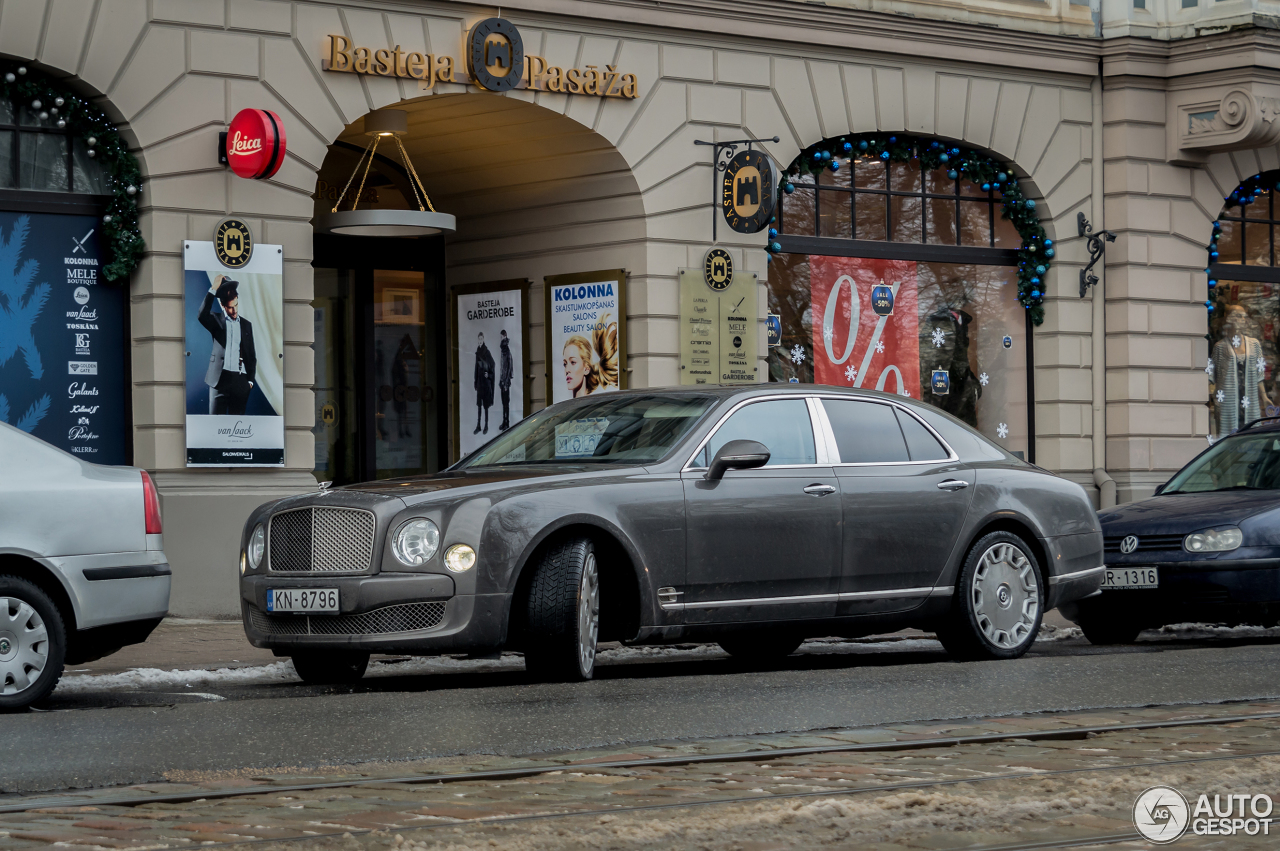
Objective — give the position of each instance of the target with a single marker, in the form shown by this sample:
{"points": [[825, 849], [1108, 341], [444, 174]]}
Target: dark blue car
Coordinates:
{"points": [[1205, 548]]}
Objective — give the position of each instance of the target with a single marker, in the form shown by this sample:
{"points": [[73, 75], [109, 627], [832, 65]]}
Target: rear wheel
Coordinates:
{"points": [[33, 644], [764, 644], [330, 667], [998, 604], [563, 614]]}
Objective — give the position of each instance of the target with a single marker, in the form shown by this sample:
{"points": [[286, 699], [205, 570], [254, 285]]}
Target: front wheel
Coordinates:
{"points": [[563, 613], [330, 667], [33, 644], [998, 604]]}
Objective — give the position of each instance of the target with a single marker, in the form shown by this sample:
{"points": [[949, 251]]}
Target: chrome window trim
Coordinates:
{"points": [[373, 546], [1079, 574], [843, 596], [952, 457], [818, 448]]}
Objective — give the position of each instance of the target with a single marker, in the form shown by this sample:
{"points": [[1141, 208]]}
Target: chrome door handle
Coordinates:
{"points": [[952, 485], [819, 490]]}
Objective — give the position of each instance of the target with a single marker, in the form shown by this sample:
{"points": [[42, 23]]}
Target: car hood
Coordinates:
{"points": [[411, 486], [1185, 512]]}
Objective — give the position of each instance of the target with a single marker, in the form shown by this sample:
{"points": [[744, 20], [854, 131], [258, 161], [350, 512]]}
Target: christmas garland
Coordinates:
{"points": [[1242, 196], [71, 111], [1035, 256]]}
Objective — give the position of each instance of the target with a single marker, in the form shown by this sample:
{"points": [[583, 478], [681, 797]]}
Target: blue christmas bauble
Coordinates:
{"points": [[1035, 294], [892, 139], [986, 187], [1031, 205], [789, 188], [1040, 270], [862, 146], [1002, 177], [817, 156], [1048, 252], [773, 232], [1209, 305], [826, 155], [775, 247], [835, 165], [1212, 283], [848, 146], [1048, 242], [955, 150], [1035, 280], [944, 158], [885, 155], [1213, 254]]}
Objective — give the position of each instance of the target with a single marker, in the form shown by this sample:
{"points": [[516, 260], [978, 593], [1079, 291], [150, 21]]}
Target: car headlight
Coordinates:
{"points": [[460, 558], [257, 546], [1213, 541], [416, 541]]}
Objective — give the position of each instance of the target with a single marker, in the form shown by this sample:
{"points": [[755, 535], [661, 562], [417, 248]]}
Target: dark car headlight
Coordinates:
{"points": [[1213, 541], [257, 546], [416, 541]]}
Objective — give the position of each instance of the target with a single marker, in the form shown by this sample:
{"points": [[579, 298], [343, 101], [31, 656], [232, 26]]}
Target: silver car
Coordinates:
{"points": [[82, 565]]}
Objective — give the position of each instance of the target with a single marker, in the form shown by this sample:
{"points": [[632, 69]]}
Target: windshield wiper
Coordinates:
{"points": [[1222, 490]]}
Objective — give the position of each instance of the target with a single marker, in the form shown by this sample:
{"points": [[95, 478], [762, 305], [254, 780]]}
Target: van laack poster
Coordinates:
{"points": [[865, 323]]}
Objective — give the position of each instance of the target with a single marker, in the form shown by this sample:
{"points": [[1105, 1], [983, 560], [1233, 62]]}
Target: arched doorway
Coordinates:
{"points": [[1244, 307], [895, 271], [535, 193]]}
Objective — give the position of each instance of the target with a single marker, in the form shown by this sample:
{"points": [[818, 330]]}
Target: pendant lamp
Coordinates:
{"points": [[382, 125]]}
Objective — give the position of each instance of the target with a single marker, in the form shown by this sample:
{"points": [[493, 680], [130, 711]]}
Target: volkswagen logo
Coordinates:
{"points": [[1129, 544]]}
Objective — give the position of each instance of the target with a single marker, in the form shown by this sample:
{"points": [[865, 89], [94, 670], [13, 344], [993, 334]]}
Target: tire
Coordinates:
{"points": [[1099, 631], [563, 613], [33, 644], [330, 667], [764, 644], [999, 601]]}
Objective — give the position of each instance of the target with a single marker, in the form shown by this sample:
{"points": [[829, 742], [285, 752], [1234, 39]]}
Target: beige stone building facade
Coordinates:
{"points": [[1142, 118]]}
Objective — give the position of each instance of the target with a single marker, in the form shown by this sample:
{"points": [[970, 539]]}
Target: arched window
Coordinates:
{"points": [[1244, 312], [950, 330], [37, 155]]}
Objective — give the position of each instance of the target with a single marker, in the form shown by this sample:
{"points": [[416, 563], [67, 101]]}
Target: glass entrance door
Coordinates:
{"points": [[378, 382]]}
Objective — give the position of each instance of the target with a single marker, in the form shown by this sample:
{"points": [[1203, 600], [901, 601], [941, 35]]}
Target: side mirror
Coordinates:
{"points": [[737, 455]]}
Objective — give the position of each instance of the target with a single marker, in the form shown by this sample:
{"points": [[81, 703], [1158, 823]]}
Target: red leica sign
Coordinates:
{"points": [[255, 143]]}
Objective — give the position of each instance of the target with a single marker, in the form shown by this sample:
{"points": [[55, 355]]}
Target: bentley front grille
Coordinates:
{"points": [[405, 617], [321, 540]]}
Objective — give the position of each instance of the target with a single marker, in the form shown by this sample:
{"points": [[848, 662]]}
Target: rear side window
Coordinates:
{"points": [[921, 445], [782, 425], [866, 433]]}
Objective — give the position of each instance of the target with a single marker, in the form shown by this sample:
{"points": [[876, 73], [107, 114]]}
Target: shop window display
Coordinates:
{"points": [[1243, 308], [951, 334]]}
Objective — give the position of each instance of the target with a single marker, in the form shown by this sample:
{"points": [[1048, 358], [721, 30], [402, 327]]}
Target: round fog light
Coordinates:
{"points": [[460, 558], [416, 542]]}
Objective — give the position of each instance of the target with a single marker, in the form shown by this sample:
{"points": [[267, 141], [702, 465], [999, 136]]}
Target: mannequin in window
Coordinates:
{"points": [[1237, 375]]}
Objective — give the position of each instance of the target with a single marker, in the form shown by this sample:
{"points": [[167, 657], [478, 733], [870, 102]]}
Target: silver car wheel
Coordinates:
{"points": [[24, 645], [588, 614], [1005, 594]]}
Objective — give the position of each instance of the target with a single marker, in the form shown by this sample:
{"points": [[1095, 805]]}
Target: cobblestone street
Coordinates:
{"points": [[922, 793]]}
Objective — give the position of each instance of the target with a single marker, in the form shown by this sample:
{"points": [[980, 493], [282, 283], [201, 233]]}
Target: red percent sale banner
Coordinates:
{"points": [[865, 324]]}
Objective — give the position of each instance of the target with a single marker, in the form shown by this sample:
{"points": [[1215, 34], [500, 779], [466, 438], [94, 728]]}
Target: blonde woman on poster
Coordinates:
{"points": [[592, 364]]}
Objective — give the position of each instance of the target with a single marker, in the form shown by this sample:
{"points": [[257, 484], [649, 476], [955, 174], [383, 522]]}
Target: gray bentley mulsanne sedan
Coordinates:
{"points": [[755, 517]]}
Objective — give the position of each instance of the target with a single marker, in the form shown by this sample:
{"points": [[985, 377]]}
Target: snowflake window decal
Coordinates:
{"points": [[1235, 341], [1244, 402], [1262, 364], [1002, 431], [1209, 369], [851, 372], [797, 354], [879, 347], [939, 337], [984, 380], [1220, 397]]}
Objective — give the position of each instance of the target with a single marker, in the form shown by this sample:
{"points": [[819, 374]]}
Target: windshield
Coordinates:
{"points": [[616, 429], [1243, 462]]}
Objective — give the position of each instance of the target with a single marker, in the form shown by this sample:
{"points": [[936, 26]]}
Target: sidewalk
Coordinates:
{"points": [[194, 644]]}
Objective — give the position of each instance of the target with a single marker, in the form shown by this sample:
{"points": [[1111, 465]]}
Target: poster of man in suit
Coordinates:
{"points": [[234, 320], [489, 359]]}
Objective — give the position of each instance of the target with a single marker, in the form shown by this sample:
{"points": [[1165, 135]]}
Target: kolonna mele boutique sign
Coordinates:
{"points": [[495, 60]]}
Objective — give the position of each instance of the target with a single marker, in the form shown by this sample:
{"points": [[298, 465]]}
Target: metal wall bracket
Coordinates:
{"points": [[1096, 249], [724, 152]]}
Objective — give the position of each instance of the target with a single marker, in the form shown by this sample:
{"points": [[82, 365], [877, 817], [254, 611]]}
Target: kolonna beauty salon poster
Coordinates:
{"points": [[234, 321], [585, 344]]}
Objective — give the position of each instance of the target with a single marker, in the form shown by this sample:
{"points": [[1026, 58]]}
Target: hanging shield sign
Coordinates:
{"points": [[749, 191], [941, 382]]}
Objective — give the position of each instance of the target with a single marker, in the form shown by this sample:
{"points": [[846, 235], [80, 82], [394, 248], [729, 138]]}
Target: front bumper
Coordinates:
{"points": [[1211, 590], [383, 613], [1068, 587]]}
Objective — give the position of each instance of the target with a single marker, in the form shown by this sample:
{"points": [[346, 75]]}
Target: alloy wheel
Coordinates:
{"points": [[588, 614], [24, 645], [1006, 596]]}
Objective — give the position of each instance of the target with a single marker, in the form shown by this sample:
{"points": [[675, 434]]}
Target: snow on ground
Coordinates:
{"points": [[282, 672]]}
